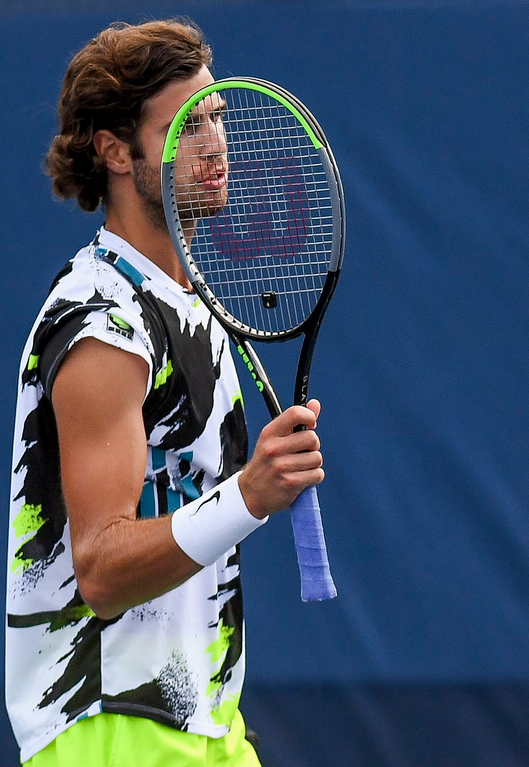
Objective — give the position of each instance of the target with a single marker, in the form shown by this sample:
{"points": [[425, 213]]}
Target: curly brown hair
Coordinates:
{"points": [[106, 85]]}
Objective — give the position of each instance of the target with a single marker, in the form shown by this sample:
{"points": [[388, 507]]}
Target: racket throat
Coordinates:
{"points": [[259, 374], [301, 386]]}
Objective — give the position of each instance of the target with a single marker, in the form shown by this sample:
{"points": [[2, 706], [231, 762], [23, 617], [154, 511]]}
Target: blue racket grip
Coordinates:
{"points": [[316, 579]]}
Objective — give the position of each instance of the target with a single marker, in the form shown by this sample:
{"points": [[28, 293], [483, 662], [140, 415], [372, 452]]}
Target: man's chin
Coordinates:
{"points": [[202, 209]]}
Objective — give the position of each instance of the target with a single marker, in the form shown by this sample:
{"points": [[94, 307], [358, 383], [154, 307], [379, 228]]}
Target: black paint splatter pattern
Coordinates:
{"points": [[190, 366]]}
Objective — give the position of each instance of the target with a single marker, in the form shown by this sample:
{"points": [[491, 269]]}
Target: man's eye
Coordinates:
{"points": [[190, 127], [217, 115]]}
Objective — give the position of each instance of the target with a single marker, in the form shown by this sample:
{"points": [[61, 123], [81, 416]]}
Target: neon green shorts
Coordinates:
{"points": [[114, 740]]}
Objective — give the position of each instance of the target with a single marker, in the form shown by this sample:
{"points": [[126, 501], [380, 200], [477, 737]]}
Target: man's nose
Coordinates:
{"points": [[214, 140]]}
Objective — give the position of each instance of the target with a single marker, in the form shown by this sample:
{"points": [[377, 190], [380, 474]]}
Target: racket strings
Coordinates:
{"points": [[265, 253]]}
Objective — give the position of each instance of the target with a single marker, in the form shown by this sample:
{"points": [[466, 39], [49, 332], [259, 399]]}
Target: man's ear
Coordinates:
{"points": [[115, 151]]}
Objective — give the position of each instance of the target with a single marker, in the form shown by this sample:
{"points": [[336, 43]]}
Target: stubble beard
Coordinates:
{"points": [[147, 184]]}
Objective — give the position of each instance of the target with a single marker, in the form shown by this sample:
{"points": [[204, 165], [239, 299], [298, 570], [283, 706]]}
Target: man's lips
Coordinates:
{"points": [[216, 180]]}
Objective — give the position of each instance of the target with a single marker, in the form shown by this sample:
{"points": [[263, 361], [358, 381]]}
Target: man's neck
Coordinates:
{"points": [[132, 224]]}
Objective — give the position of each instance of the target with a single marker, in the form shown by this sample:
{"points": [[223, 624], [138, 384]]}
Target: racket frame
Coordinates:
{"points": [[240, 332]]}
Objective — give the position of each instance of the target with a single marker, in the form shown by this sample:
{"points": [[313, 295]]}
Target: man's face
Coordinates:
{"points": [[201, 169]]}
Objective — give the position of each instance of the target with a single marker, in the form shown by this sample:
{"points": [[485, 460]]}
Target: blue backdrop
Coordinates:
{"points": [[422, 366]]}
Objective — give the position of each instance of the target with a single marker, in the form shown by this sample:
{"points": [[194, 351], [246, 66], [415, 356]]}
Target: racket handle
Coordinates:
{"points": [[316, 579]]}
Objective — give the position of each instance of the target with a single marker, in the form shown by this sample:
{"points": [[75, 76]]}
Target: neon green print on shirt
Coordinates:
{"points": [[70, 615], [224, 712], [220, 646], [237, 397], [27, 523], [119, 322], [33, 361], [163, 375]]}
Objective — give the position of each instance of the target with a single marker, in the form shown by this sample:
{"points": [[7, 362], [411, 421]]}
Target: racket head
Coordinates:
{"points": [[254, 205]]}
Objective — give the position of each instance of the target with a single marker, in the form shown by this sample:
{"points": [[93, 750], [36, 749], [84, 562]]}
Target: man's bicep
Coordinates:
{"points": [[97, 398]]}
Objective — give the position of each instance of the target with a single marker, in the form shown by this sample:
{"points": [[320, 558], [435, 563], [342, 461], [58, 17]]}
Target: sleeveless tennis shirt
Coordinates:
{"points": [[178, 659]]}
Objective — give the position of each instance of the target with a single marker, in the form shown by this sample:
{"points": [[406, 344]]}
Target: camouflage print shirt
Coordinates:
{"points": [[179, 658]]}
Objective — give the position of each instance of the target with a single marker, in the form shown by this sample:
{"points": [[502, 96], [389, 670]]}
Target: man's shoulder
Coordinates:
{"points": [[91, 277]]}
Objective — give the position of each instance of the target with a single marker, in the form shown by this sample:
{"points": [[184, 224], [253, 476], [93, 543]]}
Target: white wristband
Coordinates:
{"points": [[207, 528]]}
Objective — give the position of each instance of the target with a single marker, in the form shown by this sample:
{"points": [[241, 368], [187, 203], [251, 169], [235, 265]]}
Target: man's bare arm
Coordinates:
{"points": [[121, 561]]}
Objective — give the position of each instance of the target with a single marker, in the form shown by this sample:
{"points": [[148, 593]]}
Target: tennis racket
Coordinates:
{"points": [[254, 205]]}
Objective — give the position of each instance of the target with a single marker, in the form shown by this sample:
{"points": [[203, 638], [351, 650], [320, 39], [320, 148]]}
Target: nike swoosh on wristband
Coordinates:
{"points": [[214, 497]]}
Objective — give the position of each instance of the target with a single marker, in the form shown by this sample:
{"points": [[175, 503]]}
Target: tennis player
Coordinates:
{"points": [[131, 488]]}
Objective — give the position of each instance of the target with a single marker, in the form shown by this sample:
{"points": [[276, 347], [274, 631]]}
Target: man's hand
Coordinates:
{"points": [[284, 462]]}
